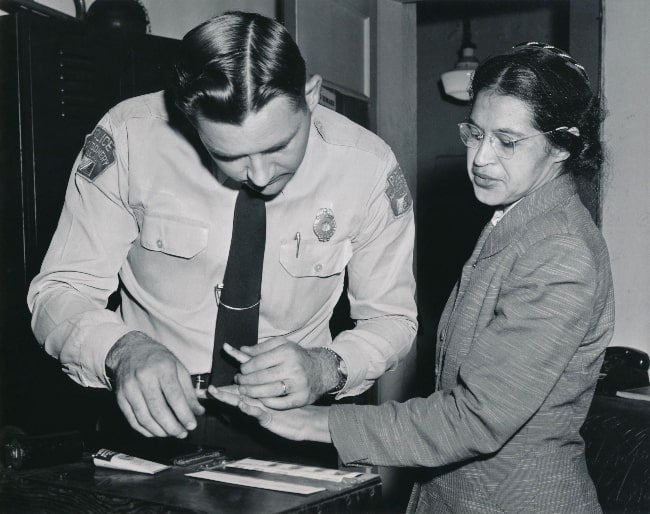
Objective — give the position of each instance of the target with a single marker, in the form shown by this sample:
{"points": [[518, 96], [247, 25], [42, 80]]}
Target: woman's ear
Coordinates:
{"points": [[560, 154], [312, 91]]}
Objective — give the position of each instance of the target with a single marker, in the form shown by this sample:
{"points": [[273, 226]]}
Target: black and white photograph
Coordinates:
{"points": [[324, 256]]}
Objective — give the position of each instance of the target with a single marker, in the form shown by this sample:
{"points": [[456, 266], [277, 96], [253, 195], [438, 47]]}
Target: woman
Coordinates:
{"points": [[522, 337]]}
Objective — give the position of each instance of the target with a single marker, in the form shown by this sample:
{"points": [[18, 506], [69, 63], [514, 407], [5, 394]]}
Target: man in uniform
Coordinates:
{"points": [[149, 207]]}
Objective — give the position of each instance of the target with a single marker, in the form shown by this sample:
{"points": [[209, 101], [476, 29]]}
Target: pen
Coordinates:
{"points": [[297, 238]]}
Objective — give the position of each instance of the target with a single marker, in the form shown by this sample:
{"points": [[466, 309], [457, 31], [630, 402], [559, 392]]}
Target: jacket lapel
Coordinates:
{"points": [[556, 192]]}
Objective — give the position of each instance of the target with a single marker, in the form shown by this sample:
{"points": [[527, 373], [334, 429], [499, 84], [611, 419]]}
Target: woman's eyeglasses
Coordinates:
{"points": [[502, 144]]}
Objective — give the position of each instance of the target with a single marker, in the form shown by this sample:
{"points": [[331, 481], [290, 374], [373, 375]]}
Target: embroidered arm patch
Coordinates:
{"points": [[98, 154], [398, 192]]}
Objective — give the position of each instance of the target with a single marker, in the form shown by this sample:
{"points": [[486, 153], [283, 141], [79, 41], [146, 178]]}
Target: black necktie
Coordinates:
{"points": [[239, 299]]}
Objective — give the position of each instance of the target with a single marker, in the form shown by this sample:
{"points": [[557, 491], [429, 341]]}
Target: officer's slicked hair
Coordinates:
{"points": [[235, 64]]}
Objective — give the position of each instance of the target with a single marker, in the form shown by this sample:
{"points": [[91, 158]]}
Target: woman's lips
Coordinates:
{"points": [[481, 179]]}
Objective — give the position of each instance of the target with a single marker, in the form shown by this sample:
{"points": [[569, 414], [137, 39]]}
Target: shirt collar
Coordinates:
{"points": [[500, 213]]}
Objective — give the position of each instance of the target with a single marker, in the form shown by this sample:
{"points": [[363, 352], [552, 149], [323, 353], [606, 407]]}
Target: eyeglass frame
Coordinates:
{"points": [[491, 138]]}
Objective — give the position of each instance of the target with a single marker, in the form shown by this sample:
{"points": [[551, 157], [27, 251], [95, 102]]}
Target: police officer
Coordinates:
{"points": [[149, 206]]}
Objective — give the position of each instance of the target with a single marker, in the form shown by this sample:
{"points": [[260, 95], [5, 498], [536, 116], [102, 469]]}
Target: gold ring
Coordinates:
{"points": [[284, 388]]}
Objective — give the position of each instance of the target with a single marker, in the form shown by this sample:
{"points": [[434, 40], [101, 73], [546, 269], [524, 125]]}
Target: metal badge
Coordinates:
{"points": [[324, 224]]}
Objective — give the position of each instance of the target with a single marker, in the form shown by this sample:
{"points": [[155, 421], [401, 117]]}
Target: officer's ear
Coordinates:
{"points": [[312, 91]]}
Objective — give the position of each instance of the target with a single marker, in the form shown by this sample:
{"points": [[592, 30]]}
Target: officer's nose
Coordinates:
{"points": [[260, 172]]}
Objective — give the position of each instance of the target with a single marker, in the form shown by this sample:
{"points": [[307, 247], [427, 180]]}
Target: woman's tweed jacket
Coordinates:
{"points": [[520, 344]]}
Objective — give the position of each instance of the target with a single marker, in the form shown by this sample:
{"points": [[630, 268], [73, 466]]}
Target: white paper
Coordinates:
{"points": [[294, 470], [260, 483]]}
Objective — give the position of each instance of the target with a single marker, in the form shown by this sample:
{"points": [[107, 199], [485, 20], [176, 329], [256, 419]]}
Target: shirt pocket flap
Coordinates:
{"points": [[180, 238], [315, 258]]}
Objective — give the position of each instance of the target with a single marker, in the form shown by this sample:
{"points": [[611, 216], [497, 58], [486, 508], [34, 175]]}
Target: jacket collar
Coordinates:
{"points": [[544, 199]]}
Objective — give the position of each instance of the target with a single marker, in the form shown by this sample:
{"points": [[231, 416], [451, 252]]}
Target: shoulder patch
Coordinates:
{"points": [[98, 153], [398, 193]]}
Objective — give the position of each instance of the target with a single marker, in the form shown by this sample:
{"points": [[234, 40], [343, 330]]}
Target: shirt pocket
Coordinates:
{"points": [[170, 262], [178, 238], [305, 288], [315, 258]]}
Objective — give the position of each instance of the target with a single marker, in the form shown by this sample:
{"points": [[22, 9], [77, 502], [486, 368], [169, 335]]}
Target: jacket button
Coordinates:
{"points": [[318, 267], [159, 243]]}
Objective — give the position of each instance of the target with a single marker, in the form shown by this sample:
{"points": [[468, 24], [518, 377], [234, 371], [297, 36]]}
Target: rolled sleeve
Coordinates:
{"points": [[381, 291], [68, 297]]}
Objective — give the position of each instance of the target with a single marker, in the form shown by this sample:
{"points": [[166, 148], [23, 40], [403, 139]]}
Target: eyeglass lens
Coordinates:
{"points": [[472, 137]]}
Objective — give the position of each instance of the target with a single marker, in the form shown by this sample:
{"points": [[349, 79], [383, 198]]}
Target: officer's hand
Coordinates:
{"points": [[282, 374], [304, 424], [153, 389]]}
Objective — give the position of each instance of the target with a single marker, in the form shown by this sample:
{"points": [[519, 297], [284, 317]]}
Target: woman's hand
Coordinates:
{"points": [[304, 424]]}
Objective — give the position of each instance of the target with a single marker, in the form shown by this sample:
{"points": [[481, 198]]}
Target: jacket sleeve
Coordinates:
{"points": [[80, 270], [381, 285], [541, 317]]}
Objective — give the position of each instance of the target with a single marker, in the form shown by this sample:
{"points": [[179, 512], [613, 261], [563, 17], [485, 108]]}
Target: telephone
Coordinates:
{"points": [[623, 368]]}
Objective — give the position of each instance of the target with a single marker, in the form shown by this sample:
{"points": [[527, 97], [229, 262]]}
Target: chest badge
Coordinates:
{"points": [[324, 224]]}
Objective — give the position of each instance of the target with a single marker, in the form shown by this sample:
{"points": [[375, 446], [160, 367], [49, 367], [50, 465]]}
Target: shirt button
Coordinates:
{"points": [[318, 267], [159, 243]]}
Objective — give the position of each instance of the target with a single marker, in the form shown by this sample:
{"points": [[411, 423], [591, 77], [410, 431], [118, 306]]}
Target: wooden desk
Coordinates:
{"points": [[83, 488]]}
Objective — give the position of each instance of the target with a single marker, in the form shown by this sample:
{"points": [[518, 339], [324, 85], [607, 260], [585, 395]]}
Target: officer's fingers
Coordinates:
{"points": [[165, 401], [268, 390], [126, 409], [236, 354], [140, 409], [180, 419], [283, 356], [191, 396], [286, 402], [262, 377], [265, 346]]}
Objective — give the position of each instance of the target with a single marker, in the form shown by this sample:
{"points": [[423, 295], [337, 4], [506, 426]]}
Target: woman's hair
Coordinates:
{"points": [[234, 64], [556, 90]]}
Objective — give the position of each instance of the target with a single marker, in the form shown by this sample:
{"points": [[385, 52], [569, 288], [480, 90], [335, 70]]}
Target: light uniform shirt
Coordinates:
{"points": [[143, 204]]}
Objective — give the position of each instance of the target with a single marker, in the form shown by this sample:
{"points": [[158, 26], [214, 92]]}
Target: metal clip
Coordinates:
{"points": [[217, 293]]}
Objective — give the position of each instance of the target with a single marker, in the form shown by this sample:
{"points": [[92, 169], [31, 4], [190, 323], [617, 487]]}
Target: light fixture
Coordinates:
{"points": [[456, 82]]}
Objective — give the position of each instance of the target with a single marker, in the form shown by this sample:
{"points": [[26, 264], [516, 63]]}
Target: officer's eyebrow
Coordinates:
{"points": [[275, 148]]}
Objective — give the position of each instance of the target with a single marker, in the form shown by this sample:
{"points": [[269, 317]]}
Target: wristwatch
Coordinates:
{"points": [[341, 370]]}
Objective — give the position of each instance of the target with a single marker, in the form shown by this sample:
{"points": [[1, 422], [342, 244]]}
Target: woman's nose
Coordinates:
{"points": [[485, 152]]}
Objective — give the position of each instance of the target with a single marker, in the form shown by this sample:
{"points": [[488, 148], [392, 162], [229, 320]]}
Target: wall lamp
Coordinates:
{"points": [[456, 82]]}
